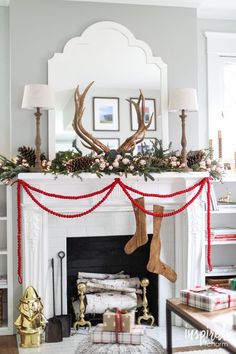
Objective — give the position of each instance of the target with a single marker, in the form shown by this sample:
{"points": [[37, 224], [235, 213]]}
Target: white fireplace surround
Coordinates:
{"points": [[44, 235]]}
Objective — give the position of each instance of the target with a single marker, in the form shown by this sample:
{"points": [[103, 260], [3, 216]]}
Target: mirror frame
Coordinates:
{"points": [[132, 42]]}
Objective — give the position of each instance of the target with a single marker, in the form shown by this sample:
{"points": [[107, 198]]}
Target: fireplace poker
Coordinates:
{"points": [[65, 319], [53, 330]]}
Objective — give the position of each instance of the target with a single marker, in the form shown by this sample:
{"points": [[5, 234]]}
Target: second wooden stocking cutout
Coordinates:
{"points": [[155, 265]]}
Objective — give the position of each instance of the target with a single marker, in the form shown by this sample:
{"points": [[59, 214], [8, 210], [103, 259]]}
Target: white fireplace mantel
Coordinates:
{"points": [[44, 235]]}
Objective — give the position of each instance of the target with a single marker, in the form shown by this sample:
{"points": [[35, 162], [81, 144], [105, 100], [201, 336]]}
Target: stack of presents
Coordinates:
{"points": [[210, 297], [118, 327]]}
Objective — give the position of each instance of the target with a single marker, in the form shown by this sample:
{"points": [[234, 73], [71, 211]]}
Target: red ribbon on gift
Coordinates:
{"points": [[187, 298], [222, 291], [213, 288], [118, 322]]}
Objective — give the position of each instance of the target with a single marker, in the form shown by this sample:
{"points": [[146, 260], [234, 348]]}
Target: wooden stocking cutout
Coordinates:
{"points": [[155, 265], [140, 237]]}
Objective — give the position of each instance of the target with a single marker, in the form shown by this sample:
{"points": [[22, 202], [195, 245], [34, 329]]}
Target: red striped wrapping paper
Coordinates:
{"points": [[211, 299], [98, 335]]}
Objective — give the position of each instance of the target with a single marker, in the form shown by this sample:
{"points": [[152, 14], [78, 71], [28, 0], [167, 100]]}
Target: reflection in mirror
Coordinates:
{"points": [[108, 54]]}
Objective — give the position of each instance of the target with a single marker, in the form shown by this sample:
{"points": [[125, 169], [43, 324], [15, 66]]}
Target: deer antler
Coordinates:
{"points": [[93, 143], [130, 143]]}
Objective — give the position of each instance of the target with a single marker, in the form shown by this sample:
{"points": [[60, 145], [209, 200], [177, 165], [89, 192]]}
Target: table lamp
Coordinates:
{"points": [[39, 97], [183, 100]]}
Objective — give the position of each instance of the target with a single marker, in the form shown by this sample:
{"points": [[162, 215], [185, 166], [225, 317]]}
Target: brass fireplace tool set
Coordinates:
{"points": [[81, 322]]}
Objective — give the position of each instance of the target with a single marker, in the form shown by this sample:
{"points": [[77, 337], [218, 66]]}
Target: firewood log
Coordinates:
{"points": [[97, 288], [99, 303], [87, 275], [130, 283]]}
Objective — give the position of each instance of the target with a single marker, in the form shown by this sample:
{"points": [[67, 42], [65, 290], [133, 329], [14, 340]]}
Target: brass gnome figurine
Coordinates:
{"points": [[31, 321]]}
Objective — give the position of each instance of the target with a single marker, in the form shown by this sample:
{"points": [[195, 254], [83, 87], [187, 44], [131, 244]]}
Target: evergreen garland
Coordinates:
{"points": [[154, 159]]}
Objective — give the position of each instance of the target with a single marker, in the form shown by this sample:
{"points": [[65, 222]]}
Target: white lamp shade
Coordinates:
{"points": [[38, 96], [185, 98]]}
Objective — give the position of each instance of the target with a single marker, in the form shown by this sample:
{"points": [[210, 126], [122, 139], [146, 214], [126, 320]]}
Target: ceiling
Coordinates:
{"points": [[216, 9]]}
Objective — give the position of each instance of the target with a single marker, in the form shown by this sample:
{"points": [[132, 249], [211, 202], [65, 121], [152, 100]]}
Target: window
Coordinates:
{"points": [[228, 115], [221, 55]]}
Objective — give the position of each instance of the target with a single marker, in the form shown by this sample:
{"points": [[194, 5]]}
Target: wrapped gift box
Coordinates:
{"points": [[208, 298], [124, 321], [99, 335]]}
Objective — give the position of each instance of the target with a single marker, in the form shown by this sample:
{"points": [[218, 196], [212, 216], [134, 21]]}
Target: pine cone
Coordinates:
{"points": [[28, 154], [195, 157], [79, 163]]}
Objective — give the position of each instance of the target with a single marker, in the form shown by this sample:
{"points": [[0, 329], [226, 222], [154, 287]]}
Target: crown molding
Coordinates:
{"points": [[4, 2]]}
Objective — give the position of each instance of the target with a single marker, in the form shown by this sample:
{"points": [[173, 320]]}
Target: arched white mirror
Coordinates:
{"points": [[119, 64]]}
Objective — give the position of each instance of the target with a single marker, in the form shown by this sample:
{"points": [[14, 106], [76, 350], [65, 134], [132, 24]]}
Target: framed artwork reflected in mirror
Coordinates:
{"points": [[150, 108], [112, 143], [146, 144], [106, 113]]}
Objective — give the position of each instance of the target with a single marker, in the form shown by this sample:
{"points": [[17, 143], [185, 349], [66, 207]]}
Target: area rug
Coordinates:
{"points": [[200, 351], [148, 346]]}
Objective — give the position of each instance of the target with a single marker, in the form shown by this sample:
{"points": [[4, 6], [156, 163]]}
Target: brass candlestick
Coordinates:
{"points": [[146, 316], [184, 142], [81, 321]]}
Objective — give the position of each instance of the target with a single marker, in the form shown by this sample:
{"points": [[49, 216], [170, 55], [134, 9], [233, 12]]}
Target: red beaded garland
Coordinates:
{"points": [[27, 187]]}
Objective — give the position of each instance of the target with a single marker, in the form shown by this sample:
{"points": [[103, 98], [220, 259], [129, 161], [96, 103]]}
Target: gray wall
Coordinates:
{"points": [[4, 82], [207, 26], [41, 27]]}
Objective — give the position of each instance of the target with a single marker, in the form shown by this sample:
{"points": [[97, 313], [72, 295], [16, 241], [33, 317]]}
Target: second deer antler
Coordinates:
{"points": [[129, 144]]}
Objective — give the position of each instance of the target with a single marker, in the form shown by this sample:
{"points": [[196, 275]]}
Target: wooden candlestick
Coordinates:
{"points": [[38, 166], [183, 116], [220, 144], [211, 150]]}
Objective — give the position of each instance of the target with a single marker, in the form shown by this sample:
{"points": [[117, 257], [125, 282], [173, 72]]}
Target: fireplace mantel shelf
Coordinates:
{"points": [[44, 235], [85, 176]]}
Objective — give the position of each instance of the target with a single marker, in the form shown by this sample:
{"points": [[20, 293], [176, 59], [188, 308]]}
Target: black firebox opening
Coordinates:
{"points": [[106, 255]]}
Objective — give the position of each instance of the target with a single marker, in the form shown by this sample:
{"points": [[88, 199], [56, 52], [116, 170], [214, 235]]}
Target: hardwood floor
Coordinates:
{"points": [[8, 345]]}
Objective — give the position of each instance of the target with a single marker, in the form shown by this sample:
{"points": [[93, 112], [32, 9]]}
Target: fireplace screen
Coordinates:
{"points": [[106, 255]]}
